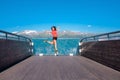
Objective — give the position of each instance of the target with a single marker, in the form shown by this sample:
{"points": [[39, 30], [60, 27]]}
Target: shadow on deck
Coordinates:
{"points": [[59, 68]]}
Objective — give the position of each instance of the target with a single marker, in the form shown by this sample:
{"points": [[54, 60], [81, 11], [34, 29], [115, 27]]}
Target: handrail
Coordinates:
{"points": [[106, 36], [8, 35]]}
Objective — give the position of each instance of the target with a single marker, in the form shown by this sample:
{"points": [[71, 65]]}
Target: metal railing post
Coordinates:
{"points": [[6, 36], [108, 36]]}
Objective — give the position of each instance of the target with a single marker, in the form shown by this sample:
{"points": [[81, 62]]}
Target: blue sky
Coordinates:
{"points": [[96, 16]]}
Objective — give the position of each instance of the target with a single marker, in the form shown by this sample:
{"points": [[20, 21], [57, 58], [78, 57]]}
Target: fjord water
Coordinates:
{"points": [[65, 46]]}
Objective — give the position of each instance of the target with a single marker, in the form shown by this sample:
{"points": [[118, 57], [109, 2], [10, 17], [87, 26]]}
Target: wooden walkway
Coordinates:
{"points": [[59, 68]]}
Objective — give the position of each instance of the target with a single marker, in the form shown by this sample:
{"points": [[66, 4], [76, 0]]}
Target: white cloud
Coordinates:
{"points": [[15, 32], [89, 26]]}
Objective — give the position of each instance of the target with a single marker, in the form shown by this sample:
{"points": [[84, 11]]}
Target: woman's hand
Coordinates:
{"points": [[49, 32]]}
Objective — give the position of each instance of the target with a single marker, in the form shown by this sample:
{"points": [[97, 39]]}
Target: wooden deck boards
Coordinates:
{"points": [[59, 68]]}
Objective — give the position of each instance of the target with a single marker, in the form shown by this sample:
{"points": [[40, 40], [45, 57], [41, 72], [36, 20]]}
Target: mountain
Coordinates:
{"points": [[45, 34]]}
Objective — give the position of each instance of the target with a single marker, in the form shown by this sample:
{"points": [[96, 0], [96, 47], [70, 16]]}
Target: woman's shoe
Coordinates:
{"points": [[56, 52]]}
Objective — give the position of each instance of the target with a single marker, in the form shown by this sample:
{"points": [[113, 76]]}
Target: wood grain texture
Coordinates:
{"points": [[59, 68], [12, 52], [104, 52]]}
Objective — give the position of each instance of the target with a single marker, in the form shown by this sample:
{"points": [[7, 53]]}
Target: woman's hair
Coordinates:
{"points": [[53, 27]]}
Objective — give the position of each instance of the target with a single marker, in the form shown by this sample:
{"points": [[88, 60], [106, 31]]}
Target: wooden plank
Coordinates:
{"points": [[59, 68]]}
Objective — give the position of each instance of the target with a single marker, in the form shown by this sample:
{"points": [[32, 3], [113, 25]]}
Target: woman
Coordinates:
{"points": [[54, 41]]}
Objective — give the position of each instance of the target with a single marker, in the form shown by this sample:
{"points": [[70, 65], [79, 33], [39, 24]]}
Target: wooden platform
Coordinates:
{"points": [[59, 68]]}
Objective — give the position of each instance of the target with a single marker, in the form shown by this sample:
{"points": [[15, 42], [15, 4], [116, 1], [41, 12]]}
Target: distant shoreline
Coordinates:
{"points": [[58, 38]]}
